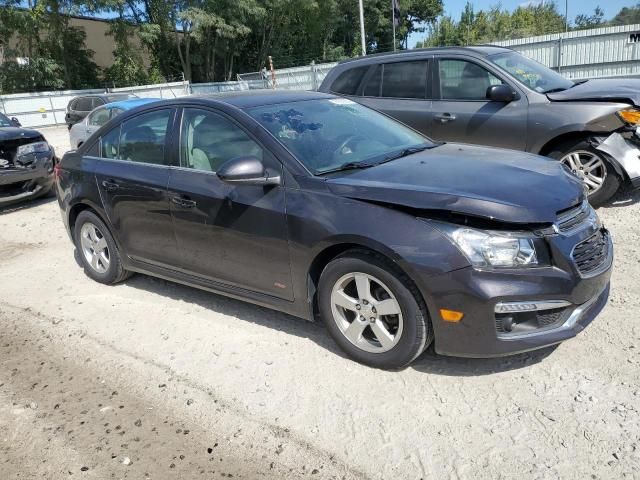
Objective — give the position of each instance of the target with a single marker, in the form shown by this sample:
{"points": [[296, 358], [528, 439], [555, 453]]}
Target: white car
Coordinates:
{"points": [[101, 115]]}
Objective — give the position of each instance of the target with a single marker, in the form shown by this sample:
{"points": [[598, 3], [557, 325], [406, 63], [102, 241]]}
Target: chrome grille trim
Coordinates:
{"points": [[574, 219]]}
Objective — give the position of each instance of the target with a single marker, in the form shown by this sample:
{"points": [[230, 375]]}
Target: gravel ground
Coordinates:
{"points": [[150, 379]]}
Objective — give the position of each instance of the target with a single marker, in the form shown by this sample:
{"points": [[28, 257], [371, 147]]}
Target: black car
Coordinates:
{"points": [[79, 107], [26, 163], [322, 208]]}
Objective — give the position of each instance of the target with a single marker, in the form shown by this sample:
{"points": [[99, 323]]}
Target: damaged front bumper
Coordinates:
{"points": [[19, 183], [624, 149]]}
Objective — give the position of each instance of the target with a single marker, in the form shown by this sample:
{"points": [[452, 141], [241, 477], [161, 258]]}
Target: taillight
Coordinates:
{"points": [[57, 170]]}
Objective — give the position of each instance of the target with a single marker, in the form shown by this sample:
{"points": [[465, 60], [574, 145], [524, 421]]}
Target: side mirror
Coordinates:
{"points": [[16, 122], [500, 93], [248, 170]]}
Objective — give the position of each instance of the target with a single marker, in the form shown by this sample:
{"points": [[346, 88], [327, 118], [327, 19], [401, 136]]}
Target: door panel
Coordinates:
{"points": [[132, 176], [135, 199], [462, 114], [234, 234]]}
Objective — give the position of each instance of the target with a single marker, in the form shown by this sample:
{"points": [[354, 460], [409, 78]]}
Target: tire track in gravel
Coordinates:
{"points": [[64, 416]]}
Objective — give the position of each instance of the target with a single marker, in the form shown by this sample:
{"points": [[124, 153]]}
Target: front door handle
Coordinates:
{"points": [[183, 201], [110, 185], [445, 117]]}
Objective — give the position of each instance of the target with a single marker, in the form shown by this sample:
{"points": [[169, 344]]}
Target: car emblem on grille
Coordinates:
{"points": [[3, 162]]}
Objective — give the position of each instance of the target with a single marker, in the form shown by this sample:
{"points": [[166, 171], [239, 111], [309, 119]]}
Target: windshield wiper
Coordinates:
{"points": [[554, 90], [348, 166], [406, 152]]}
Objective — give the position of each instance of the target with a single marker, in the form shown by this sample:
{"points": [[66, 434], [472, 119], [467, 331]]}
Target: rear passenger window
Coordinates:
{"points": [[372, 88], [142, 138], [462, 80], [405, 80], [347, 82]]}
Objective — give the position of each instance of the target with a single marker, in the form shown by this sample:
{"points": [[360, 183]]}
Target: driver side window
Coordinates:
{"points": [[463, 80], [208, 140]]}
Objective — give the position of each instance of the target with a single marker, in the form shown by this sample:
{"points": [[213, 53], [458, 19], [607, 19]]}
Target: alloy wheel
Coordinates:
{"points": [[587, 166], [366, 312], [94, 247]]}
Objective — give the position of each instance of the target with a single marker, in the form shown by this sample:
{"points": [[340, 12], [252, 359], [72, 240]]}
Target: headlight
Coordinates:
{"points": [[36, 147], [486, 248], [630, 116]]}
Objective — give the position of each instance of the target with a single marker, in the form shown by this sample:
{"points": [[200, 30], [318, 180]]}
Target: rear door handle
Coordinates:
{"points": [[110, 185], [183, 201], [445, 117]]}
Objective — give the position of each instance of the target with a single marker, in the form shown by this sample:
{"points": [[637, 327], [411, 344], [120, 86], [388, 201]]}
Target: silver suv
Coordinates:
{"points": [[495, 96]]}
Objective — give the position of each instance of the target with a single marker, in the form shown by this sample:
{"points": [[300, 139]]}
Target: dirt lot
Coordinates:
{"points": [[149, 379]]}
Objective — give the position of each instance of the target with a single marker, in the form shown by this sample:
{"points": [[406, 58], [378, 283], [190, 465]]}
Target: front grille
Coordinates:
{"points": [[590, 254], [571, 219]]}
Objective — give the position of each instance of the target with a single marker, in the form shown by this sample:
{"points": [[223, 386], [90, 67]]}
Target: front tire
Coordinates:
{"points": [[373, 311], [596, 171], [97, 250]]}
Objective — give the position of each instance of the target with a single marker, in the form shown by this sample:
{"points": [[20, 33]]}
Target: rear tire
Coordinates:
{"points": [[580, 157], [351, 287], [97, 250]]}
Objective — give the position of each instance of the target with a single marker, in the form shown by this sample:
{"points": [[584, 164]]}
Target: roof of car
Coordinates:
{"points": [[131, 103], [255, 98], [479, 50]]}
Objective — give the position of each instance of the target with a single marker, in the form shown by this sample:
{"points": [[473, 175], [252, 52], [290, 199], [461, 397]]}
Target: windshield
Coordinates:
{"points": [[332, 133], [533, 74], [4, 121]]}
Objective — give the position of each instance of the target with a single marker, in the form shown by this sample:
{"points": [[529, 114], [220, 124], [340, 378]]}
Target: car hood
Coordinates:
{"points": [[497, 184], [22, 135], [625, 90]]}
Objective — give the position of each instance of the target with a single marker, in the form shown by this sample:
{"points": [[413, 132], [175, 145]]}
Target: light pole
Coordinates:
{"points": [[566, 15], [364, 43]]}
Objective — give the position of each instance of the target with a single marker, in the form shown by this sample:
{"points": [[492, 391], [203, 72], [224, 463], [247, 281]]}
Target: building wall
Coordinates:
{"points": [[98, 40]]}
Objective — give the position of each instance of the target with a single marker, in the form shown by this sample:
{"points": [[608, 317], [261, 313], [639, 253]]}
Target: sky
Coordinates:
{"points": [[576, 7]]}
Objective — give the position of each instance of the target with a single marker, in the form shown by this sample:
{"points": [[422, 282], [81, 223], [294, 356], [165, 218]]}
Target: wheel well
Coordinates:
{"points": [[75, 211], [326, 256], [560, 139]]}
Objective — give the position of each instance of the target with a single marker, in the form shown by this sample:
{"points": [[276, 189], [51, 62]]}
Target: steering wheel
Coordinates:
{"points": [[345, 142]]}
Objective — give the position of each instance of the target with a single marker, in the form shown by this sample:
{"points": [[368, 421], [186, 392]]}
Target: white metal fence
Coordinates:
{"points": [[48, 108], [308, 77], [596, 53]]}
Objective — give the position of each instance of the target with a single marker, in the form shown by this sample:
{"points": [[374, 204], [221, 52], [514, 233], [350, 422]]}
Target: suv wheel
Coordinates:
{"points": [[98, 251], [595, 170], [373, 311]]}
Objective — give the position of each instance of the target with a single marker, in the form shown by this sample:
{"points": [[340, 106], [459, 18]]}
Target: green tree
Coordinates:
{"points": [[594, 20], [627, 16]]}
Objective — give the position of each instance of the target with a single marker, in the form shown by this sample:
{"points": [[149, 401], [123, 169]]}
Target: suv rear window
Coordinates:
{"points": [[84, 104], [347, 82]]}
